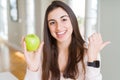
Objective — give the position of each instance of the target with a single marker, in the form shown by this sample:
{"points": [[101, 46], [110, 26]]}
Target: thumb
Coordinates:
{"points": [[105, 44]]}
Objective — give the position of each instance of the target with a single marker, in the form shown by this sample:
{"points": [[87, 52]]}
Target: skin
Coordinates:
{"points": [[61, 29]]}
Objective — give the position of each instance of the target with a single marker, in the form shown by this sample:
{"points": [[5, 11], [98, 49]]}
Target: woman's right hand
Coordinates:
{"points": [[33, 59]]}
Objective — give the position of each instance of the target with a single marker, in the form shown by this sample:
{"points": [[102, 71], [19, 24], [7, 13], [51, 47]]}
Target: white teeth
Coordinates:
{"points": [[61, 32]]}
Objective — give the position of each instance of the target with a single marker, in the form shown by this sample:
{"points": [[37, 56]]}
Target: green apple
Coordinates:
{"points": [[32, 42]]}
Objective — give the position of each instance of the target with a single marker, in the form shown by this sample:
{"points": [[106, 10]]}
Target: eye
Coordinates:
{"points": [[64, 19], [51, 23]]}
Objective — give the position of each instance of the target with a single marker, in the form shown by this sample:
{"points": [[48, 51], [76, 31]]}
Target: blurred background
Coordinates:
{"points": [[21, 17]]}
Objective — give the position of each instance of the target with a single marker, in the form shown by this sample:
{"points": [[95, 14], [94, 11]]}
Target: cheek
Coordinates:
{"points": [[71, 30], [52, 31], [68, 24], [70, 27]]}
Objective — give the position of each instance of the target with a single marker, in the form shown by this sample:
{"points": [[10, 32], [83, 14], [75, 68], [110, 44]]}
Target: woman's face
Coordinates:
{"points": [[60, 25]]}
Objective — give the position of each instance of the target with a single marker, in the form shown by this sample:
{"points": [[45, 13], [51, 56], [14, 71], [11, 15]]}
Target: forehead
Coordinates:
{"points": [[56, 13]]}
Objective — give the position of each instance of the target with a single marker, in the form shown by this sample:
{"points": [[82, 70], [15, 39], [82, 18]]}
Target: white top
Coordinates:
{"points": [[91, 73]]}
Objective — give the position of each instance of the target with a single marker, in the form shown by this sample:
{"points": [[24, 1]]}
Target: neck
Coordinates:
{"points": [[63, 46]]}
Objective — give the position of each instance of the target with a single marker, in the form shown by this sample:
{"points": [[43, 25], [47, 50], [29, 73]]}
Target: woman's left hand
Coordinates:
{"points": [[95, 45]]}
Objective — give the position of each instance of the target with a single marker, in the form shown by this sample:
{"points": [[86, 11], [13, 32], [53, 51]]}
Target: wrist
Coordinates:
{"points": [[33, 69], [95, 63], [91, 59]]}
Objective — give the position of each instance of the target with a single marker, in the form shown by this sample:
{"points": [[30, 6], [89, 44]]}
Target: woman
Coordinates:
{"points": [[62, 55]]}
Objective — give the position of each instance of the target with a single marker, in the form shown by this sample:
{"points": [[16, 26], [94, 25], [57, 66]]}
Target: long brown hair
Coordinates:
{"points": [[76, 49]]}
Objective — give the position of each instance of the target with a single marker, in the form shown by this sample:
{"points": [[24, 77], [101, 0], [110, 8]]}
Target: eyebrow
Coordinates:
{"points": [[60, 17], [64, 16]]}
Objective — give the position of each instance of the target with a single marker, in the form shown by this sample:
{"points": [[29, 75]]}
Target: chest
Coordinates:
{"points": [[62, 61]]}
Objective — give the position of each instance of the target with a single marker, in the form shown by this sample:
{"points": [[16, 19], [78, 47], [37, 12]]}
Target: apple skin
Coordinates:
{"points": [[32, 42]]}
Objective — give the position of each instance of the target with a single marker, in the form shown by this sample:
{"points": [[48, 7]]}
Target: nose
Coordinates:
{"points": [[59, 25]]}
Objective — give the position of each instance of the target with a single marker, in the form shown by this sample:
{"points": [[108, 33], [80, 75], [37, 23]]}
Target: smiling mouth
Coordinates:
{"points": [[61, 34]]}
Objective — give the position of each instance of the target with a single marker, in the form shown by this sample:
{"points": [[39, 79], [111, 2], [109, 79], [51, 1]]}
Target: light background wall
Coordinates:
{"points": [[110, 30]]}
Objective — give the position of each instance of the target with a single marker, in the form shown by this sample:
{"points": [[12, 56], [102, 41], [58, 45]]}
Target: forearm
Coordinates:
{"points": [[94, 73]]}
